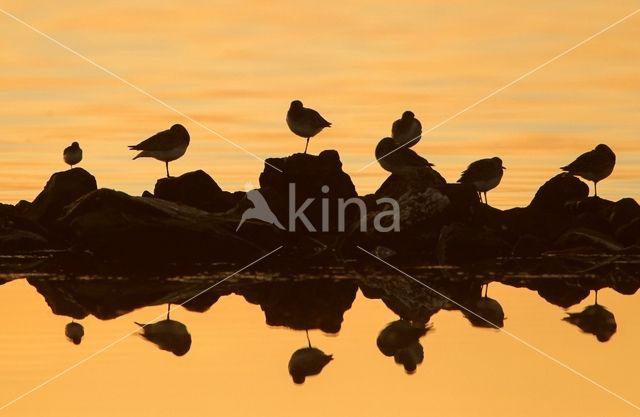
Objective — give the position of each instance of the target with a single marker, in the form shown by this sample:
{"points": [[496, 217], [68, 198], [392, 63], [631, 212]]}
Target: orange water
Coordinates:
{"points": [[236, 66], [237, 366]]}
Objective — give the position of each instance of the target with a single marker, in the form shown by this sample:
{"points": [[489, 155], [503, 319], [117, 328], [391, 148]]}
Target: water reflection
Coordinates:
{"points": [[485, 312], [400, 339], [307, 361], [596, 320], [74, 332], [304, 302], [167, 334]]}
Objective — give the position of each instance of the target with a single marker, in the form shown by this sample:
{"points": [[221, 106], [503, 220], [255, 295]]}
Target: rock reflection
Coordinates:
{"points": [[74, 332], [596, 320], [167, 334], [307, 361], [400, 339], [302, 305]]}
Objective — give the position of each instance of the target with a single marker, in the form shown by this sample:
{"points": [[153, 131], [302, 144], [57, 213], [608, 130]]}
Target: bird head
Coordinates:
{"points": [[296, 104], [75, 145], [603, 147], [408, 115], [178, 129], [498, 162]]}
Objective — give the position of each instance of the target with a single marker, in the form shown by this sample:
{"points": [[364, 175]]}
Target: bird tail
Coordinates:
{"points": [[139, 324]]}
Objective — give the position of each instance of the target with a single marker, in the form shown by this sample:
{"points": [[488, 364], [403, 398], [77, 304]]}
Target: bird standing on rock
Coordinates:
{"points": [[72, 155], [166, 146], [484, 175], [406, 131], [594, 165], [399, 160], [305, 122]]}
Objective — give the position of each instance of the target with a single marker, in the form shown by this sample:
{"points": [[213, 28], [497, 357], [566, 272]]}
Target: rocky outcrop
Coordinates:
{"points": [[196, 189], [145, 231], [62, 189], [307, 183], [19, 234]]}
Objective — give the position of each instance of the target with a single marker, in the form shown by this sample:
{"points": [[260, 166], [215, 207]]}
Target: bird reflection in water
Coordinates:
{"points": [[307, 361], [596, 320], [400, 339], [74, 332], [169, 335], [488, 312]]}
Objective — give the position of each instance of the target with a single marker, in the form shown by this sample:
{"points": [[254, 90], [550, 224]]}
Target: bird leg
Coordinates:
{"points": [[485, 198], [306, 146], [168, 310], [595, 188], [308, 340], [167, 163]]}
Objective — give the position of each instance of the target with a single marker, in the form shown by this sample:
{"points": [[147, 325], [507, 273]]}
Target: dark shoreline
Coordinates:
{"points": [[189, 222]]}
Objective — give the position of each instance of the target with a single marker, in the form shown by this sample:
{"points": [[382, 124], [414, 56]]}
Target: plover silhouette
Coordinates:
{"points": [[259, 211], [407, 131], [307, 361], [166, 146], [305, 122], [72, 155], [74, 332], [484, 175], [399, 160], [594, 165]]}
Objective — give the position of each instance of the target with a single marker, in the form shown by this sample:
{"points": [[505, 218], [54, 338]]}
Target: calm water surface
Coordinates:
{"points": [[236, 66], [237, 364]]}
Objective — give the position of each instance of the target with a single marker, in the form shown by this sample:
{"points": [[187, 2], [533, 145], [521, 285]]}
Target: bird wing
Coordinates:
{"points": [[582, 163], [315, 117], [481, 170], [158, 142], [412, 158]]}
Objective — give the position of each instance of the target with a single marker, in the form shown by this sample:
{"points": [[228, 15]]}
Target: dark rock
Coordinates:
{"points": [[19, 234], [152, 231], [12, 241], [195, 189], [529, 245], [629, 234], [62, 189], [396, 186], [555, 194], [319, 178], [623, 212], [587, 238], [463, 244]]}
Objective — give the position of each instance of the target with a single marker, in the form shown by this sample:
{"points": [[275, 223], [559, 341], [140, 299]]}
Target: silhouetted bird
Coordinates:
{"points": [[594, 165], [74, 332], [399, 160], [484, 175], [407, 130], [169, 335], [489, 309], [307, 361], [397, 335], [166, 146], [410, 356], [596, 320], [305, 122], [72, 155]]}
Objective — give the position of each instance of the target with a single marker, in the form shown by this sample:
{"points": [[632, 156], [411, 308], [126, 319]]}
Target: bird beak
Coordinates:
{"points": [[504, 167]]}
